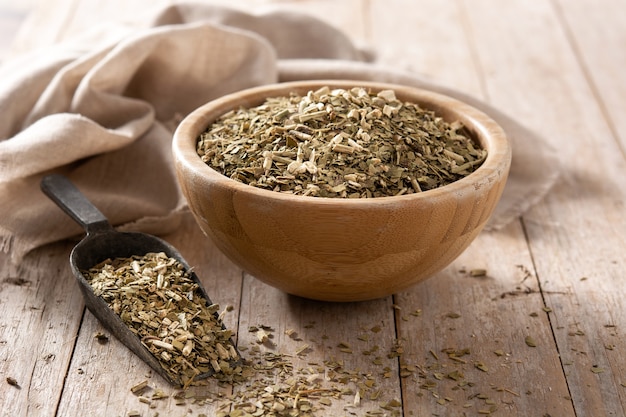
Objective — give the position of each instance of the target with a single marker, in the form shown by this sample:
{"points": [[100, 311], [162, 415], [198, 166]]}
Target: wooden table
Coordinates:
{"points": [[555, 277]]}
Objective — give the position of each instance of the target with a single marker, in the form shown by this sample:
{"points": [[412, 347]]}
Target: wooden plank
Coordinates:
{"points": [[52, 22], [40, 313], [11, 18], [101, 374], [428, 38], [592, 29], [578, 230], [44, 26], [494, 313], [346, 15]]}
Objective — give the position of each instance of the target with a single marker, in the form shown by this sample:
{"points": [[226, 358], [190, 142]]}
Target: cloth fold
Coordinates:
{"points": [[101, 109]]}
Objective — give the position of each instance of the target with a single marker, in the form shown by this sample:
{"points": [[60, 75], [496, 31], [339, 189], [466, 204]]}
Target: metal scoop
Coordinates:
{"points": [[101, 243]]}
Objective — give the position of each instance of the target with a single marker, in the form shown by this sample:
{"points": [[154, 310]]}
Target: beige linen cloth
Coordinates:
{"points": [[101, 109]]}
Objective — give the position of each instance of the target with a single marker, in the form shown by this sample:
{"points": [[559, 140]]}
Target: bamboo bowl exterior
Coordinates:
{"points": [[341, 249]]}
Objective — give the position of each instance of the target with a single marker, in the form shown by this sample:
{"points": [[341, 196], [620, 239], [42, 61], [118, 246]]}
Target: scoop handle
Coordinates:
{"points": [[65, 194]]}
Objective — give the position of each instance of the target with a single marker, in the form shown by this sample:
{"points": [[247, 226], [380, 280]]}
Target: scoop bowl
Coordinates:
{"points": [[103, 242]]}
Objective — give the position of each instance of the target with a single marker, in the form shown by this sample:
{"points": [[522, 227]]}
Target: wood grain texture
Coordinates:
{"points": [[590, 29], [429, 38], [41, 309], [11, 18], [485, 322], [556, 275], [577, 232]]}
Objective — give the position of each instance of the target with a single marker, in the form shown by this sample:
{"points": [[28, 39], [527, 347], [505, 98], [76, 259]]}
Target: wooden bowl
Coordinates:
{"points": [[341, 249]]}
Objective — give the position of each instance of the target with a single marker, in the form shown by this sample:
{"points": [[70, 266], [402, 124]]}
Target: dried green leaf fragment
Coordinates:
{"points": [[138, 388], [302, 349], [393, 403], [455, 375], [530, 341], [101, 337], [13, 382], [339, 144], [481, 366]]}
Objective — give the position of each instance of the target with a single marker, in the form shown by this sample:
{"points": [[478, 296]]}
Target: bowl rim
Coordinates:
{"points": [[483, 128]]}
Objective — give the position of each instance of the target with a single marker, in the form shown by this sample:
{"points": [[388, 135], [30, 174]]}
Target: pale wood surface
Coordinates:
{"points": [[555, 275]]}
